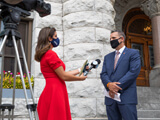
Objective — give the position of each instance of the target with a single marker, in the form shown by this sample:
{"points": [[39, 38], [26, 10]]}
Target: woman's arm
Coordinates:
{"points": [[66, 76], [73, 72]]}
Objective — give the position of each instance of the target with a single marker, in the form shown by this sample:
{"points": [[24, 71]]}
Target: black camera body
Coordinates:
{"points": [[40, 6], [12, 11]]}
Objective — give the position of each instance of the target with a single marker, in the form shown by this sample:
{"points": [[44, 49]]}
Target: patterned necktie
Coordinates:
{"points": [[116, 59]]}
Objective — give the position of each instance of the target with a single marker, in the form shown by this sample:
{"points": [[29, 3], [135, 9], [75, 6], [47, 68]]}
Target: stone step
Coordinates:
{"points": [[107, 119], [149, 114], [142, 115], [148, 106], [138, 119], [148, 118], [91, 119]]}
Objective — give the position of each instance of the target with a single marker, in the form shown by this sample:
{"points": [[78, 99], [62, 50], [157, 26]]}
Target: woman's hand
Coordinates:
{"points": [[87, 67], [82, 77]]}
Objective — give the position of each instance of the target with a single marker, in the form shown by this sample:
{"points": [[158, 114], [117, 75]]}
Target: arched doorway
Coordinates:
{"points": [[138, 29]]}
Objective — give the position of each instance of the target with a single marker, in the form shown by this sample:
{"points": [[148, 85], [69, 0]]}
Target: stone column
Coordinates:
{"points": [[152, 9], [86, 26]]}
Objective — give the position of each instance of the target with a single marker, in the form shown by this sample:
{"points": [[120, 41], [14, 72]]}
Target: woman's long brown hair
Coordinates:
{"points": [[43, 44]]}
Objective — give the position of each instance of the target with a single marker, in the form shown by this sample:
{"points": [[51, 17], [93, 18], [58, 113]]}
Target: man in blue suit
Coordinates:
{"points": [[119, 73]]}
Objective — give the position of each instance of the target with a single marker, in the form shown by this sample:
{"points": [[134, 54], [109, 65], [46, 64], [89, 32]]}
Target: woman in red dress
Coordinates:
{"points": [[53, 103]]}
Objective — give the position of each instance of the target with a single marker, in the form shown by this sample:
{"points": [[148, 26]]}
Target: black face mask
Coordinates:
{"points": [[114, 43]]}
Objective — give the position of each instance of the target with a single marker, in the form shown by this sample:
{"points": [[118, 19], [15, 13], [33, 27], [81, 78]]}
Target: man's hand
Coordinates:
{"points": [[113, 87], [111, 94]]}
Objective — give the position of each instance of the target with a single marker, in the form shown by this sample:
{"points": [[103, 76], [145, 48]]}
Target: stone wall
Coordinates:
{"points": [[84, 29]]}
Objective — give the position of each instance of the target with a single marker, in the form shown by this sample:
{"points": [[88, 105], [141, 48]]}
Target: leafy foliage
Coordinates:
{"points": [[8, 80]]}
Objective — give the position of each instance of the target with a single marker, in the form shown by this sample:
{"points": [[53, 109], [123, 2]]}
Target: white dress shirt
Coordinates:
{"points": [[120, 51]]}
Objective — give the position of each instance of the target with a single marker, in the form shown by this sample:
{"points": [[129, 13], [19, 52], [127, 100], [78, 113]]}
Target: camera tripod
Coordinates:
{"points": [[11, 34]]}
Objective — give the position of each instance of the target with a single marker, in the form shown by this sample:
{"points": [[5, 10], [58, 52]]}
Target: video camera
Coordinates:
{"points": [[39, 5], [12, 11]]}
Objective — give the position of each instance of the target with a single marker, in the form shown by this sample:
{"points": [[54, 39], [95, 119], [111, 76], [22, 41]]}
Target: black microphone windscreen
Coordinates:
{"points": [[98, 60]]}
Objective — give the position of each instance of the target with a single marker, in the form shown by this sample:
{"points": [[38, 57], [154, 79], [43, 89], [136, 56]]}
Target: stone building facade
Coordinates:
{"points": [[83, 27]]}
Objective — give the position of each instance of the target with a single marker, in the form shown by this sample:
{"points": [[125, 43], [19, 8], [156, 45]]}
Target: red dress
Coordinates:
{"points": [[53, 103]]}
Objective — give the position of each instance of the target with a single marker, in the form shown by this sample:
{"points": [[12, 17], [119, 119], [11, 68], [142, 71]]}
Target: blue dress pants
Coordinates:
{"points": [[117, 111]]}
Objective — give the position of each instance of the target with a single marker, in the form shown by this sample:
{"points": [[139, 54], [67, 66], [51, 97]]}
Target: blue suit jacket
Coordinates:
{"points": [[126, 72]]}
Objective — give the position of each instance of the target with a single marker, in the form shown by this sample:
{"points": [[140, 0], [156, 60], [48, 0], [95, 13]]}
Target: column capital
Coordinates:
{"points": [[151, 7]]}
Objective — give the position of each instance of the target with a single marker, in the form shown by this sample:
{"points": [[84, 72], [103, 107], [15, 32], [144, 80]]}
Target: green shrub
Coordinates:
{"points": [[8, 80]]}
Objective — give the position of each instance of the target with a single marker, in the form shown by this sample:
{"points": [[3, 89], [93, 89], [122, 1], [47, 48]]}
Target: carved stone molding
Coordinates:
{"points": [[151, 7], [121, 8]]}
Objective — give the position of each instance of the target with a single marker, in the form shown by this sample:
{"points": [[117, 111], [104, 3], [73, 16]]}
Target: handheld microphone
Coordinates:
{"points": [[94, 65]]}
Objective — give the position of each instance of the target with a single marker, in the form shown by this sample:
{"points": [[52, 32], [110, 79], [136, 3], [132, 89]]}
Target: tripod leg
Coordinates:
{"points": [[9, 114], [3, 42], [27, 72], [14, 84], [2, 75], [21, 74], [2, 114]]}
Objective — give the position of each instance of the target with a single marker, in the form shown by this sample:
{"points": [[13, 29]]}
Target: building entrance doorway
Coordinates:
{"points": [[138, 31]]}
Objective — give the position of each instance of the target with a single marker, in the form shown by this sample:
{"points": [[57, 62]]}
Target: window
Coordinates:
{"points": [[144, 27]]}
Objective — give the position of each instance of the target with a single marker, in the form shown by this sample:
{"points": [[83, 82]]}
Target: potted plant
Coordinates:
{"points": [[8, 81]]}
